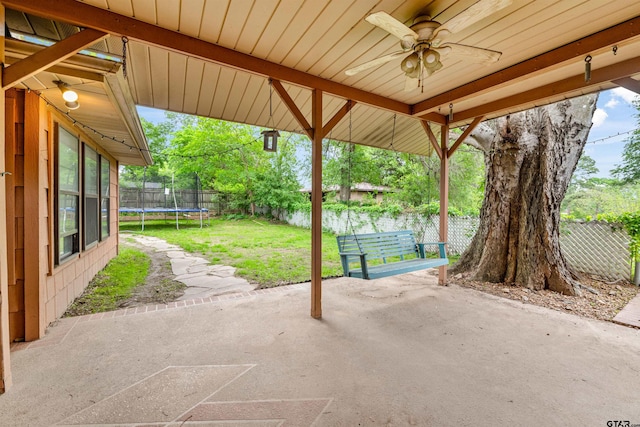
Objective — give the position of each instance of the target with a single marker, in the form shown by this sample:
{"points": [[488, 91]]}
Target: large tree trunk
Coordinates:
{"points": [[530, 158]]}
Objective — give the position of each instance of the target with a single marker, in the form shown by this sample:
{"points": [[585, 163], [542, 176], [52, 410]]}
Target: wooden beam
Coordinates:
{"points": [[629, 83], [5, 355], [49, 56], [66, 71], [464, 135], [291, 105], [577, 49], [316, 205], [85, 15], [337, 117], [432, 137], [519, 102], [444, 197]]}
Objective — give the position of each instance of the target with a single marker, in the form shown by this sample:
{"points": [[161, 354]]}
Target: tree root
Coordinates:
{"points": [[588, 288]]}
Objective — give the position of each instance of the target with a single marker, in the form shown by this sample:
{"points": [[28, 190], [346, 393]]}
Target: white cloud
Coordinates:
{"points": [[612, 103], [599, 116], [624, 94]]}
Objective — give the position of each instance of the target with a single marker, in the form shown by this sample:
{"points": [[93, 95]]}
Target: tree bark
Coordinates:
{"points": [[529, 158]]}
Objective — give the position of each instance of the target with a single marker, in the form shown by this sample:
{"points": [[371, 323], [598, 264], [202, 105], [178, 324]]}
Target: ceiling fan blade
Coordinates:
{"points": [[470, 16], [472, 53], [392, 26], [374, 63]]}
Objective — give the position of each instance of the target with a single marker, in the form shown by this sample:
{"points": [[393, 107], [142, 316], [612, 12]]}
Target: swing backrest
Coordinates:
{"points": [[378, 245]]}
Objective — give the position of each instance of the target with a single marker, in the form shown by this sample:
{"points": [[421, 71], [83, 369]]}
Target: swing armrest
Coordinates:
{"points": [[344, 259], [352, 254], [441, 248]]}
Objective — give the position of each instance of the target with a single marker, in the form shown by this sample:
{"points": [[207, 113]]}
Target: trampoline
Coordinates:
{"points": [[177, 211], [142, 208]]}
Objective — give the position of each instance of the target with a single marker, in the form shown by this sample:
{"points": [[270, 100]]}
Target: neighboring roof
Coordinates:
{"points": [[214, 58], [361, 186]]}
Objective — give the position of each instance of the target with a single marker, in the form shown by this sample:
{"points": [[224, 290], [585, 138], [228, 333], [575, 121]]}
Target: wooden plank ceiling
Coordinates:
{"points": [[322, 39]]}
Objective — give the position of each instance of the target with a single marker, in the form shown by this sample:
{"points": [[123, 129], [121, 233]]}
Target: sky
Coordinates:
{"points": [[615, 114], [614, 117]]}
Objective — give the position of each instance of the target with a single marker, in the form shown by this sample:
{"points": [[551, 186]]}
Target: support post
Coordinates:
{"points": [[33, 303], [5, 365], [444, 196], [316, 205]]}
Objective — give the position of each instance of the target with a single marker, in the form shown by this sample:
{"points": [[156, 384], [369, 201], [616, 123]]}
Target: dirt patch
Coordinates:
{"points": [[160, 286], [603, 305]]}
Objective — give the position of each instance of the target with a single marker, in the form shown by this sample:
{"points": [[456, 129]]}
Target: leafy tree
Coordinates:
{"points": [[159, 137], [227, 157], [277, 186], [629, 170]]}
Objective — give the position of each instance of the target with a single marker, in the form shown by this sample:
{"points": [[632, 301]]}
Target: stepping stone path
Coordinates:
{"points": [[202, 279]]}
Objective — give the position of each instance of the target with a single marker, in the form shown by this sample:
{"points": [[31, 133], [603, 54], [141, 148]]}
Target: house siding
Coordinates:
{"points": [[39, 291]]}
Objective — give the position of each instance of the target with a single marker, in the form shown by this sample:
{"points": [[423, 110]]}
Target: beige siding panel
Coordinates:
{"points": [[214, 14], [168, 12], [191, 17], [122, 7], [208, 88], [258, 89], [256, 23], [279, 21], [141, 71], [145, 10], [159, 63], [307, 13], [193, 82], [237, 94], [233, 26], [177, 73], [315, 34], [222, 89]]}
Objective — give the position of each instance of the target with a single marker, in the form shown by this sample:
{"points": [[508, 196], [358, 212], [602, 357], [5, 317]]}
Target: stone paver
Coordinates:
{"points": [[202, 279]]}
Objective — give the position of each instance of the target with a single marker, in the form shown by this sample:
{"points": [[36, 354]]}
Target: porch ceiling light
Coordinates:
{"points": [[69, 95]]}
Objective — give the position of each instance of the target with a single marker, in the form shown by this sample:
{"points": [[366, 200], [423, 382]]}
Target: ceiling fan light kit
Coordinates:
{"points": [[423, 41]]}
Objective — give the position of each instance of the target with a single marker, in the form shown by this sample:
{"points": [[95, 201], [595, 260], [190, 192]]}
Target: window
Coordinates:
{"points": [[68, 192], [105, 200], [91, 211], [92, 202]]}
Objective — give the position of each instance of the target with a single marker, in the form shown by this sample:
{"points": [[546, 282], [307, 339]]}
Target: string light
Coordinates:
{"points": [[123, 142]]}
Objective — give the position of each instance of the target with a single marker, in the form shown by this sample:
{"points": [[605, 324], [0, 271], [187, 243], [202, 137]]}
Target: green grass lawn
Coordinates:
{"points": [[266, 253], [113, 284]]}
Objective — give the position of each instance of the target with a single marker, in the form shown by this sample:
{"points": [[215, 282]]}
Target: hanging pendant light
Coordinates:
{"points": [[270, 137], [270, 140]]}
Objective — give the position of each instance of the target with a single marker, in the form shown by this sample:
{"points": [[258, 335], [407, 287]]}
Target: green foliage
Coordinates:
{"points": [[629, 170], [631, 223], [595, 196], [277, 187]]}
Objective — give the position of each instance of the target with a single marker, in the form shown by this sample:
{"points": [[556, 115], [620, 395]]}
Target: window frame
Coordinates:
{"points": [[63, 193], [90, 192], [104, 198]]}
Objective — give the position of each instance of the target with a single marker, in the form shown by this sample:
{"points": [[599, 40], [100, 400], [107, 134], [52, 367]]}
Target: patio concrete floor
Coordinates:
{"points": [[392, 352]]}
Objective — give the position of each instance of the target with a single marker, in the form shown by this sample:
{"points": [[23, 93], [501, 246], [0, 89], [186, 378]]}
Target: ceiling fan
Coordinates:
{"points": [[424, 41]]}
